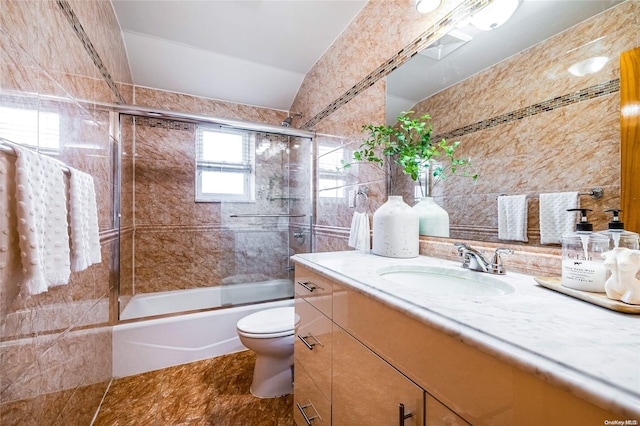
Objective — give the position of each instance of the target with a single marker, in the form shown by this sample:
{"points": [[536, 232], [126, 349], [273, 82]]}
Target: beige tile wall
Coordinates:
{"points": [[182, 244], [572, 148], [526, 142], [381, 29], [55, 350], [55, 347]]}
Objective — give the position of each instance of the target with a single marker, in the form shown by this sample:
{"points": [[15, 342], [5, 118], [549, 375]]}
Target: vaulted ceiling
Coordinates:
{"points": [[257, 52], [249, 52]]}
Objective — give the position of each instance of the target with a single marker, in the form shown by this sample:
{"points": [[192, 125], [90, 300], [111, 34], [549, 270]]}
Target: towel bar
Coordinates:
{"points": [[267, 215], [595, 193], [8, 148]]}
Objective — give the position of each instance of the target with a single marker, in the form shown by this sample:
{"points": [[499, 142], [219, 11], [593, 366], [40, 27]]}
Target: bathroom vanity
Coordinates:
{"points": [[371, 350]]}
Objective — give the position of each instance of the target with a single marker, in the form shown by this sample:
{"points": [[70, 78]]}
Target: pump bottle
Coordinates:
{"points": [[618, 237], [582, 263]]}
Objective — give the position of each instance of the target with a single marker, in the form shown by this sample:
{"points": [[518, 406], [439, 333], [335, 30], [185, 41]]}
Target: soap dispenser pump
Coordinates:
{"points": [[582, 263], [618, 237]]}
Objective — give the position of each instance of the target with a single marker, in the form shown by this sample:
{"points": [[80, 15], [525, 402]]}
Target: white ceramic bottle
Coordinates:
{"points": [[434, 220], [396, 229], [582, 263]]}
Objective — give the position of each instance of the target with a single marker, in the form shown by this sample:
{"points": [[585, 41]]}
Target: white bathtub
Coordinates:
{"points": [[149, 345], [167, 302]]}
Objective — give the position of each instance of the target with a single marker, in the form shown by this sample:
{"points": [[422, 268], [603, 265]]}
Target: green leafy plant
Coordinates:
{"points": [[409, 145]]}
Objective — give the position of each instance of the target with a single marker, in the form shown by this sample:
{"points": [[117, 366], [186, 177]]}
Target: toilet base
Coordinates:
{"points": [[272, 377]]}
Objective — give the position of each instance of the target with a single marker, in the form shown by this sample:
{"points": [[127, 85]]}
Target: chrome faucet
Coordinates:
{"points": [[474, 260]]}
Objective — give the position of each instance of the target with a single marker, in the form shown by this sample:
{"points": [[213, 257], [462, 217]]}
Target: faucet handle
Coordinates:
{"points": [[461, 247], [496, 262]]}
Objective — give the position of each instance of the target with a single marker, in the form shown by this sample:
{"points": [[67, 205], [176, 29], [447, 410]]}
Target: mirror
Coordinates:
{"points": [[534, 103]]}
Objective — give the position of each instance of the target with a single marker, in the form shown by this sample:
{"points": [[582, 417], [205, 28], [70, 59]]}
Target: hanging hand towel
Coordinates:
{"points": [[7, 218], [42, 221], [360, 235], [83, 215], [555, 220], [512, 217]]}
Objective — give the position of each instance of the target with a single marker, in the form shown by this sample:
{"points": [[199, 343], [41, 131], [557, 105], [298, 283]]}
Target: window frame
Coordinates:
{"points": [[246, 167]]}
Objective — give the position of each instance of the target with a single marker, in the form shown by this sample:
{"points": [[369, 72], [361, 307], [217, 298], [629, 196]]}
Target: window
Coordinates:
{"points": [[32, 128], [331, 182], [225, 162]]}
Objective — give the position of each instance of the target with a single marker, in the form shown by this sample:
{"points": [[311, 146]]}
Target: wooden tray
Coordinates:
{"points": [[599, 299]]}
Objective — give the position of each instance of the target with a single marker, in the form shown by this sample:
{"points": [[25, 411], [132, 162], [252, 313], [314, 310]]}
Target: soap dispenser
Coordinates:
{"points": [[618, 237], [582, 263]]}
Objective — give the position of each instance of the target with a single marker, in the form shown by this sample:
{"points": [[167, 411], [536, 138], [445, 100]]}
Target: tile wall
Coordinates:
{"points": [[542, 129], [55, 347], [337, 104], [491, 129], [182, 244]]}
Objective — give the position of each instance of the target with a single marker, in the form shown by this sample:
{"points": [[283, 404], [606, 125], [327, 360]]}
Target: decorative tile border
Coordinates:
{"points": [[164, 124], [439, 29], [91, 50], [601, 89], [432, 34]]}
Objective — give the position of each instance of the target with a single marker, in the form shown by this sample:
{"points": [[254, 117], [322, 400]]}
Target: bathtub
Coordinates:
{"points": [[167, 302], [153, 344]]}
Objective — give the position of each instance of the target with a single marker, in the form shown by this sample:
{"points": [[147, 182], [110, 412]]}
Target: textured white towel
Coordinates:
{"points": [[359, 234], [42, 221], [512, 217], [7, 181], [83, 217], [555, 220]]}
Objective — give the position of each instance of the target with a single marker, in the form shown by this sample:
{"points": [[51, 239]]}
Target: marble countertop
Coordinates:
{"points": [[592, 351]]}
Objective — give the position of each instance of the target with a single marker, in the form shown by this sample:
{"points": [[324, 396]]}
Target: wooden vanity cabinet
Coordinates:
{"points": [[312, 349], [471, 384], [368, 390], [339, 381]]}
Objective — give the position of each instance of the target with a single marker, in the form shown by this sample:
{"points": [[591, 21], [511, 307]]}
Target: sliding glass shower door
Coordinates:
{"points": [[210, 215], [266, 218]]}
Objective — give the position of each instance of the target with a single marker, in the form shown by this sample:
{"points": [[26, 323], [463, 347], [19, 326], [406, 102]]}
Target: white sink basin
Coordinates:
{"points": [[446, 281]]}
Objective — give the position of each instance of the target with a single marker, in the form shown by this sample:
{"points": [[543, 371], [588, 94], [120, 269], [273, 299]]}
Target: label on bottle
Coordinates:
{"points": [[585, 275]]}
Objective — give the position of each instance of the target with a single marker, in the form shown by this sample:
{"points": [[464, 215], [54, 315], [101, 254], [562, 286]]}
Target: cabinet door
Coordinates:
{"points": [[310, 405], [438, 414], [367, 390]]}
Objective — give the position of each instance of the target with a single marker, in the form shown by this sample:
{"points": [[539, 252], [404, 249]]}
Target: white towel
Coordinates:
{"points": [[512, 217], [555, 220], [359, 234], [42, 221], [83, 217]]}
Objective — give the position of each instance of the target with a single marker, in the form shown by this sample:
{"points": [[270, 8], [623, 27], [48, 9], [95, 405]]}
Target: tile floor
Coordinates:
{"points": [[210, 392]]}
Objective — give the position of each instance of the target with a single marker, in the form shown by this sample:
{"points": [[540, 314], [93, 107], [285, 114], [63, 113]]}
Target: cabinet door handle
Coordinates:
{"points": [[307, 418], [402, 416], [306, 343], [309, 285]]}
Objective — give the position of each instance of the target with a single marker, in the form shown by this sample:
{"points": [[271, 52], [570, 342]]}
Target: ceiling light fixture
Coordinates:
{"points": [[426, 6], [588, 66], [495, 14]]}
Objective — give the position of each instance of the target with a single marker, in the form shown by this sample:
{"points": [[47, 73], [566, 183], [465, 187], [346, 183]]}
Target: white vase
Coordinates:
{"points": [[395, 229], [434, 220]]}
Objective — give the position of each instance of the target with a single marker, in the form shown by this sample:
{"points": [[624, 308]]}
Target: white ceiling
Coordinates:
{"points": [[257, 52], [248, 52]]}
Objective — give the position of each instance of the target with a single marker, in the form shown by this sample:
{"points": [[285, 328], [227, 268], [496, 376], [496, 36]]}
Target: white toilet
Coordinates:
{"points": [[270, 334]]}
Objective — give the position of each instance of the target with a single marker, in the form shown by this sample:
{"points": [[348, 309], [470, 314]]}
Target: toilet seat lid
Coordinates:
{"points": [[269, 321]]}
